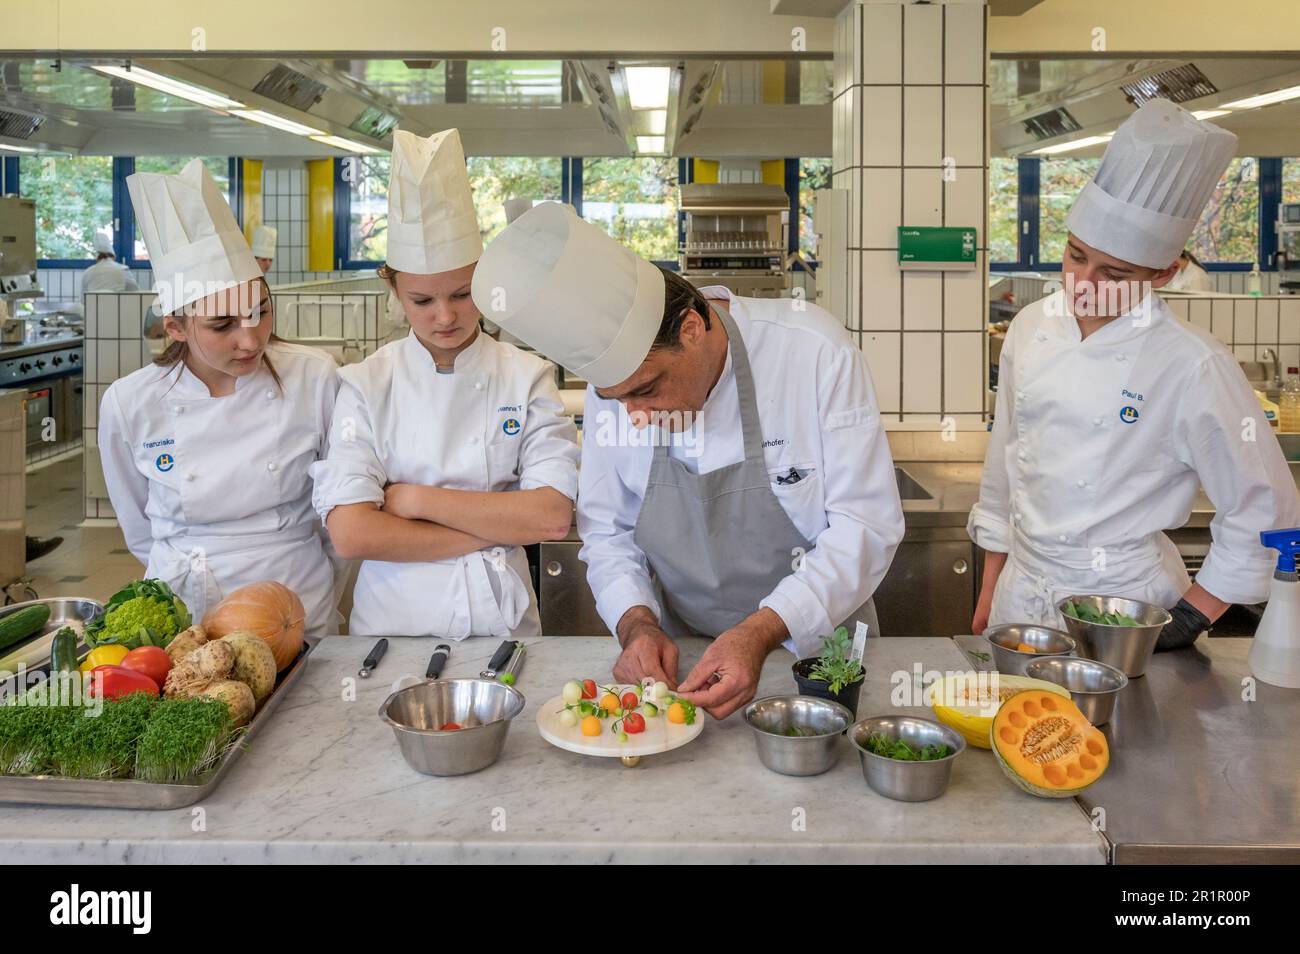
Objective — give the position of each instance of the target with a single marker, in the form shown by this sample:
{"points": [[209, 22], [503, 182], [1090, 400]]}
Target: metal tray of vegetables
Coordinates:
{"points": [[165, 743]]}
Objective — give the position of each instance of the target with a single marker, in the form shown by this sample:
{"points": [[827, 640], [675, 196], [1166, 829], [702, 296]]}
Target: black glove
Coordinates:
{"points": [[1188, 623]]}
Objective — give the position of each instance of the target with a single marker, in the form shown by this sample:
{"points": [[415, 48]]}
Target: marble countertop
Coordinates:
{"points": [[324, 783]]}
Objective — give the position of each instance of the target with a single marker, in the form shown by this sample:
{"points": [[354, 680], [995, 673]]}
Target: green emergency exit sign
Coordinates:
{"points": [[936, 248]]}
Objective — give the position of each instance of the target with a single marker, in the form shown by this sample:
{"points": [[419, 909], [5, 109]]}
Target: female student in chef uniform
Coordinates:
{"points": [[206, 452], [449, 451], [1110, 416]]}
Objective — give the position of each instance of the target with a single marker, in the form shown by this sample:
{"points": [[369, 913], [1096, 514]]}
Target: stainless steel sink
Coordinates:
{"points": [[908, 488]]}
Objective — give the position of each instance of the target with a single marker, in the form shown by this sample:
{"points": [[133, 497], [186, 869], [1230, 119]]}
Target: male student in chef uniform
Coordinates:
{"points": [[773, 513], [107, 274], [264, 246], [1111, 413]]}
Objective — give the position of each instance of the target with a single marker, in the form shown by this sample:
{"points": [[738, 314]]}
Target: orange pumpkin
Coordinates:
{"points": [[268, 610]]}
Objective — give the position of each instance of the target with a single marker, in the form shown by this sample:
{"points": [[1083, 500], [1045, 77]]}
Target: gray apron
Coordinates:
{"points": [[719, 543]]}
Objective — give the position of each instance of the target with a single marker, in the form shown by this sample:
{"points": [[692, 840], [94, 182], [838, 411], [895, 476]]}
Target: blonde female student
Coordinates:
{"points": [[449, 451], [207, 451]]}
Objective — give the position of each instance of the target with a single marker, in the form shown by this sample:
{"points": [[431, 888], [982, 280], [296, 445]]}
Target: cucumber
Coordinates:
{"points": [[19, 625], [63, 651]]}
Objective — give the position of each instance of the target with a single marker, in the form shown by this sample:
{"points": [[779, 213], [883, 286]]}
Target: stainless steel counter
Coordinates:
{"points": [[1198, 773]]}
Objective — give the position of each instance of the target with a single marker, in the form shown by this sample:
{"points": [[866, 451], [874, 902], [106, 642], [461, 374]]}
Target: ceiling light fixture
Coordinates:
{"points": [[165, 84]]}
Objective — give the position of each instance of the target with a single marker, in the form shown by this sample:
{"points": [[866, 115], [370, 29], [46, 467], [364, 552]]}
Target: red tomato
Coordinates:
{"points": [[449, 727], [633, 723], [589, 688], [153, 661], [630, 700], [113, 682]]}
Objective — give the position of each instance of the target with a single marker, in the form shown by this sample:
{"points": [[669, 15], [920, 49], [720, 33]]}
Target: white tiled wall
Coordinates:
{"points": [[115, 346], [1247, 325], [284, 206], [64, 284], [910, 96]]}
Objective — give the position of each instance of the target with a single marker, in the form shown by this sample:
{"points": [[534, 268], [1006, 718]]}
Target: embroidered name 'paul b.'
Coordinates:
{"points": [[73, 907]]}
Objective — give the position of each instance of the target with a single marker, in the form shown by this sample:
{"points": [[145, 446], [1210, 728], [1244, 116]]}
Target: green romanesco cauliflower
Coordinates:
{"points": [[143, 613]]}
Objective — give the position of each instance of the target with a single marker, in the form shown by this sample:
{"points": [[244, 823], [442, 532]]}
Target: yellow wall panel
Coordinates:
{"points": [[251, 173], [706, 170], [774, 172], [320, 215]]}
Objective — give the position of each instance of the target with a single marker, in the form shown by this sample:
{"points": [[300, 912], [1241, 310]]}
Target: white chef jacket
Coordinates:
{"points": [[818, 411], [495, 423], [213, 493], [1099, 444], [1190, 278], [107, 275]]}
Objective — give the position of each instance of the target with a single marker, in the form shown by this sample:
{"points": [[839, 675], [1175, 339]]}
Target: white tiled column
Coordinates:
{"points": [[910, 86]]}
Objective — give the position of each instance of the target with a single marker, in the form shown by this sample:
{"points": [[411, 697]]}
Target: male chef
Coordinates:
{"points": [[736, 482], [1112, 413]]}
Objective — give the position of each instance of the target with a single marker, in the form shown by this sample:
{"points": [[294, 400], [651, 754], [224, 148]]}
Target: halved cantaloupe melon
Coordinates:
{"points": [[968, 701], [1045, 745]]}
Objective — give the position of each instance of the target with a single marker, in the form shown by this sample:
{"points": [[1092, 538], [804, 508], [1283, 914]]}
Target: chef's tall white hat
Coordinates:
{"points": [[264, 241], [570, 291], [432, 227], [195, 246], [104, 242], [1159, 170]]}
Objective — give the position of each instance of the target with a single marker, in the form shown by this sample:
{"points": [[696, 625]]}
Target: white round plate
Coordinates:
{"points": [[660, 735]]}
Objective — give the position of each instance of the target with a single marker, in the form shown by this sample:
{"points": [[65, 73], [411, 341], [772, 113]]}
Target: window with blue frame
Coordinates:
{"points": [[76, 196], [74, 199], [1233, 232]]}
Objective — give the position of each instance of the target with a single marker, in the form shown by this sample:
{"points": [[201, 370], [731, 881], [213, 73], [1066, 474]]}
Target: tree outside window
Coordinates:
{"points": [[1004, 210], [218, 167], [494, 179], [814, 174], [635, 201], [1229, 227], [368, 208], [1291, 180], [1059, 183], [74, 199]]}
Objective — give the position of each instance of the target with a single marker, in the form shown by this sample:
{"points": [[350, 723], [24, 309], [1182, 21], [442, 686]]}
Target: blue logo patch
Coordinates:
{"points": [[1128, 414], [165, 462], [510, 427]]}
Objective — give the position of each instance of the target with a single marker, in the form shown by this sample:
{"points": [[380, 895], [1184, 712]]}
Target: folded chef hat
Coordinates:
{"points": [[104, 242], [432, 227], [1159, 170], [264, 241], [195, 246], [564, 287]]}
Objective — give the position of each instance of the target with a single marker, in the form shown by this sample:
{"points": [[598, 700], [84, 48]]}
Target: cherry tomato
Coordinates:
{"points": [[609, 701], [449, 727], [677, 713], [591, 726], [630, 700], [113, 682], [153, 661], [633, 723], [589, 688]]}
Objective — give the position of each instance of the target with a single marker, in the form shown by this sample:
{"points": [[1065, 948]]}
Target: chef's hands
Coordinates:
{"points": [[980, 621], [737, 657], [408, 501], [647, 650]]}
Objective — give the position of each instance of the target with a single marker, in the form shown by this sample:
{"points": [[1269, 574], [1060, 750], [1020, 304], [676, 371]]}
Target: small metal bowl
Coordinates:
{"points": [[1126, 648], [1093, 686], [1003, 641], [820, 722], [482, 707], [906, 781]]}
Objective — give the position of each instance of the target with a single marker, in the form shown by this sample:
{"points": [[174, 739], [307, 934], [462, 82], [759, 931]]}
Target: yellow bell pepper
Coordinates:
{"points": [[103, 656]]}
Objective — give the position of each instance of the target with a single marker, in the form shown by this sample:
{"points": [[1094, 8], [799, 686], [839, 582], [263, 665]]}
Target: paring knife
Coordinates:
{"points": [[372, 661], [499, 659], [437, 661]]}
